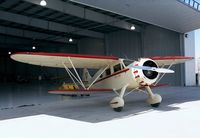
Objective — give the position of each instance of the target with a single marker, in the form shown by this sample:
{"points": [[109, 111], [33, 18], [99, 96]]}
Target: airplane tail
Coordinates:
{"points": [[86, 75]]}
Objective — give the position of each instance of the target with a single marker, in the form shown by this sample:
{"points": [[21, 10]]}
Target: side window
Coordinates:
{"points": [[108, 72], [117, 67]]}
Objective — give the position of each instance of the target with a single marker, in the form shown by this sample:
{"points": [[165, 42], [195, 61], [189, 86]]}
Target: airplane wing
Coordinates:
{"points": [[92, 91], [57, 59], [79, 91], [168, 60]]}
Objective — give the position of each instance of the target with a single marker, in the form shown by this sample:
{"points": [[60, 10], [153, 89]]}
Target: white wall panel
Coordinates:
{"points": [[190, 78]]}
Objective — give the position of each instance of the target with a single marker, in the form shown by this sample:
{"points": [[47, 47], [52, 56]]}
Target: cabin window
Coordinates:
{"points": [[108, 72], [117, 67]]}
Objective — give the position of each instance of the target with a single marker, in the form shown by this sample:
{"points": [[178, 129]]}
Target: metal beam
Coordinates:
{"points": [[84, 13], [48, 25], [31, 34]]}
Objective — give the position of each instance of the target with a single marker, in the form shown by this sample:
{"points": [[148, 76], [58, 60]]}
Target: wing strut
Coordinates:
{"points": [[163, 74], [97, 75], [71, 75], [80, 81], [77, 77]]}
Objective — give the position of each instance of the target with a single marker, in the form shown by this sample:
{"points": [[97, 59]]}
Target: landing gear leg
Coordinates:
{"points": [[153, 99], [117, 103]]}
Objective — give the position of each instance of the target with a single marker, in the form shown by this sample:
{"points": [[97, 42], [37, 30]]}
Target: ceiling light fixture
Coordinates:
{"points": [[43, 3], [70, 40], [9, 53], [132, 27], [33, 47]]}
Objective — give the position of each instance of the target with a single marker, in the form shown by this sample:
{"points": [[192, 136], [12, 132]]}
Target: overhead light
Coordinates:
{"points": [[9, 53], [132, 27], [43, 3], [33, 47], [70, 40]]}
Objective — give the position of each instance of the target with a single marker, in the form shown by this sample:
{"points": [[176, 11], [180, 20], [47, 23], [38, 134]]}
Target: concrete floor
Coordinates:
{"points": [[177, 116], [19, 94]]}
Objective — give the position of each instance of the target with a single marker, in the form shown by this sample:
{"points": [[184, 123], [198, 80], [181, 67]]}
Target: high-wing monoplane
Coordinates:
{"points": [[112, 73]]}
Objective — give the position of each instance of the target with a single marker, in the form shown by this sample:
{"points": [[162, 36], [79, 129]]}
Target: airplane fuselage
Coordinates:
{"points": [[117, 80]]}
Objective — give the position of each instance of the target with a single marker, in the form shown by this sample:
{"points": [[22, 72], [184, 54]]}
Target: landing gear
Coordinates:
{"points": [[117, 103], [153, 99]]}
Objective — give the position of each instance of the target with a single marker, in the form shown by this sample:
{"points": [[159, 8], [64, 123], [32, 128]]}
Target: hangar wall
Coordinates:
{"points": [[125, 44], [189, 41], [91, 46]]}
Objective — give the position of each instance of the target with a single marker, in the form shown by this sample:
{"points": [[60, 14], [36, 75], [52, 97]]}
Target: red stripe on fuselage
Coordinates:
{"points": [[114, 74]]}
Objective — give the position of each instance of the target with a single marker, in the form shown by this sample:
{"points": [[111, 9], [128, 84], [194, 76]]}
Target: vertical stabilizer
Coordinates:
{"points": [[86, 75]]}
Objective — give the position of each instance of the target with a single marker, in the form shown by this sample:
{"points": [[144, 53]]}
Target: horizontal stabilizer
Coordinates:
{"points": [[159, 70]]}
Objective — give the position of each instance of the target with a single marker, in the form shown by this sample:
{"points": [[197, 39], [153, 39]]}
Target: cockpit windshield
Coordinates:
{"points": [[127, 62]]}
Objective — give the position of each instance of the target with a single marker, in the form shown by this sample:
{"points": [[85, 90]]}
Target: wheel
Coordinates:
{"points": [[155, 100], [155, 105], [117, 103], [119, 109]]}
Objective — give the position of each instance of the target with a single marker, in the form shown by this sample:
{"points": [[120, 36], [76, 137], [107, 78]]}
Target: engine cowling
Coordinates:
{"points": [[145, 77]]}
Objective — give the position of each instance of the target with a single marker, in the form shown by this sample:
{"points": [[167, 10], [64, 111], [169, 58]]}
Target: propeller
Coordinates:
{"points": [[159, 70]]}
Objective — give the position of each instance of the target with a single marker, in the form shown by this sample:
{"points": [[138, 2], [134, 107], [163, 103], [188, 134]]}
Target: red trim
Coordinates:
{"points": [[154, 86], [135, 71], [116, 73], [141, 82], [67, 55], [81, 90], [137, 76], [169, 57]]}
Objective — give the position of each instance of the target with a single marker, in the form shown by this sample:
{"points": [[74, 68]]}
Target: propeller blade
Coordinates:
{"points": [[159, 70]]}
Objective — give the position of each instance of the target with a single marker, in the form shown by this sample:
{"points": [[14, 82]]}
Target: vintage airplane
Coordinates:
{"points": [[112, 73]]}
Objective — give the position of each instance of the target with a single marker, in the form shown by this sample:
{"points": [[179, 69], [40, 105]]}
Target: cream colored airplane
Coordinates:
{"points": [[112, 73]]}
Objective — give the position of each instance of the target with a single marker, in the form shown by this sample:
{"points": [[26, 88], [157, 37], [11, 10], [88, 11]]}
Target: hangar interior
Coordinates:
{"points": [[84, 27]]}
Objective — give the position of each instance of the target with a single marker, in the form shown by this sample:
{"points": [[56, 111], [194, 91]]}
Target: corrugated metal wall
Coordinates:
{"points": [[125, 44], [91, 46], [159, 41]]}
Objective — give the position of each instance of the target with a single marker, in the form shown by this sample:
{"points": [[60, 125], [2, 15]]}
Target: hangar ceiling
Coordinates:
{"points": [[175, 15], [61, 19], [58, 20]]}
